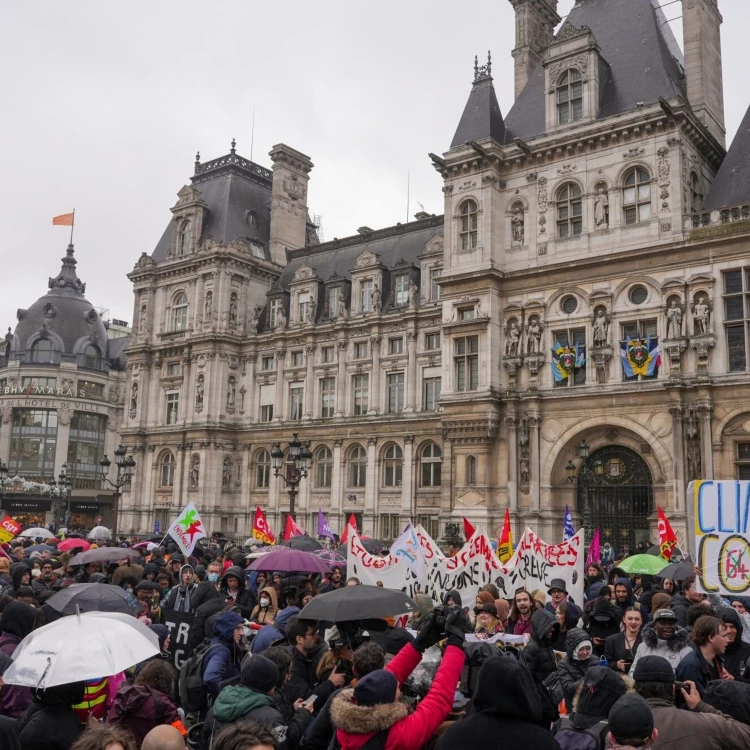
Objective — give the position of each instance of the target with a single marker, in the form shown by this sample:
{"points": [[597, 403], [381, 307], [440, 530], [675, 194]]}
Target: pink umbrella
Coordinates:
{"points": [[68, 545], [145, 545]]}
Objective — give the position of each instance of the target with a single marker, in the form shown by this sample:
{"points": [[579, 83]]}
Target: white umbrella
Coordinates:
{"points": [[101, 533], [37, 532], [80, 647]]}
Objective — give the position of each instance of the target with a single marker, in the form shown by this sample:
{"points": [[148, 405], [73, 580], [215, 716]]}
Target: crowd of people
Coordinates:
{"points": [[639, 662]]}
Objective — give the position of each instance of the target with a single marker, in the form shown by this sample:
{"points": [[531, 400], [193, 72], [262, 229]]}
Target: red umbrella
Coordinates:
{"points": [[68, 545]]}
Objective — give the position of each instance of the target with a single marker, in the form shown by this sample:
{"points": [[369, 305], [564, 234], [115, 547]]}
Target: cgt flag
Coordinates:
{"points": [[667, 537], [291, 529], [187, 529], [261, 532], [505, 543]]}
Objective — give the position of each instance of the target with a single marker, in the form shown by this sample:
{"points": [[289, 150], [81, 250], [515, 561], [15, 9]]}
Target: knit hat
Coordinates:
{"points": [[631, 717], [396, 639], [539, 596], [376, 687], [485, 597], [662, 600], [653, 669], [259, 673]]}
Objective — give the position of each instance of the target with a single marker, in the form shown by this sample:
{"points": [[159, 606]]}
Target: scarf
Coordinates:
{"points": [[182, 602]]}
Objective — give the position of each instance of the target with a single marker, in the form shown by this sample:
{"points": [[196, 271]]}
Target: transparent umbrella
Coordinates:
{"points": [[101, 533], [80, 647], [37, 532]]}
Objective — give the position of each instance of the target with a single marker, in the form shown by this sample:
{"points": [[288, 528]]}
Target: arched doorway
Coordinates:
{"points": [[617, 483]]}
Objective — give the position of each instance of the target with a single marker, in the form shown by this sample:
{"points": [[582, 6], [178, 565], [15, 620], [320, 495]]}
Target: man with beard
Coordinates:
{"points": [[520, 615], [47, 581], [334, 582]]}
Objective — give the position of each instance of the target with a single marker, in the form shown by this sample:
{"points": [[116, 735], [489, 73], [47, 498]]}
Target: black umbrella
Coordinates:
{"points": [[302, 543], [678, 571], [104, 554], [91, 597], [373, 546], [357, 603], [653, 550]]}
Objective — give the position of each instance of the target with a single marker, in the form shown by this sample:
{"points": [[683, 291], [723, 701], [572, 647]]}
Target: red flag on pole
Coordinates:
{"points": [[667, 537], [261, 532], [291, 529], [468, 529], [505, 543], [351, 522]]}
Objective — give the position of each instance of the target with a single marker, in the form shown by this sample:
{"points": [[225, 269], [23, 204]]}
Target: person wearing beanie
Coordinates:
{"points": [[700, 727], [663, 637], [180, 597], [573, 667], [372, 709], [631, 724], [660, 600], [251, 700]]}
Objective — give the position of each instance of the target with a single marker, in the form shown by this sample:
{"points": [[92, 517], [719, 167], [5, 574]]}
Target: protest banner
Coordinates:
{"points": [[179, 624], [9, 528], [718, 517]]}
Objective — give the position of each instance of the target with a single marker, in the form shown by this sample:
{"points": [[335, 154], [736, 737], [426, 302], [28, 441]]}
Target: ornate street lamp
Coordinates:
{"points": [[297, 465], [125, 466], [61, 490], [582, 476]]}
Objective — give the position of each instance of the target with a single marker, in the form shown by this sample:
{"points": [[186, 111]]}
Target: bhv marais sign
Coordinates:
{"points": [[37, 397]]}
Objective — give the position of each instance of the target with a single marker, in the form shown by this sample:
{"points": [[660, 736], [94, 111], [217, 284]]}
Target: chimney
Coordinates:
{"points": [[288, 201], [535, 26], [701, 22]]}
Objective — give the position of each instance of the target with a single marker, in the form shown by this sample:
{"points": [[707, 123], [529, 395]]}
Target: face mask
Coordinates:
{"points": [[265, 602], [129, 589], [213, 577]]}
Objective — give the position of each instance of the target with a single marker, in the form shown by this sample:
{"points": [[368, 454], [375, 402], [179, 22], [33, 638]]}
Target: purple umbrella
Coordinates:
{"points": [[290, 562], [330, 557]]}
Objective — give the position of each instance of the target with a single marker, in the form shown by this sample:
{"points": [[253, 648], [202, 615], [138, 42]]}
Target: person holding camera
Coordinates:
{"points": [[372, 710]]}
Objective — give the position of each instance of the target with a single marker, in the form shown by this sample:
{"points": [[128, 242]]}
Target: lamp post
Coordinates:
{"points": [[298, 463], [583, 475], [125, 468], [61, 489]]}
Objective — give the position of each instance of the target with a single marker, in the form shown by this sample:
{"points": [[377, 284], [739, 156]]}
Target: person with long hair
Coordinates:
{"points": [[567, 615], [620, 648]]}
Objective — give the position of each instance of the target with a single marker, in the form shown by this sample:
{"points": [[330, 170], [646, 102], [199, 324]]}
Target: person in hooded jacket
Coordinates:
{"points": [[180, 597], [150, 571], [207, 602], [624, 598], [17, 621], [602, 621], [737, 652], [274, 631], [567, 616], [578, 658], [50, 723], [20, 575], [506, 711], [233, 589], [223, 658], [265, 610], [664, 638], [731, 697], [539, 657]]}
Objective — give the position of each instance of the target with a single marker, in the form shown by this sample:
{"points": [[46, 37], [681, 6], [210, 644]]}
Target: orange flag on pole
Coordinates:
{"points": [[64, 220], [667, 537]]}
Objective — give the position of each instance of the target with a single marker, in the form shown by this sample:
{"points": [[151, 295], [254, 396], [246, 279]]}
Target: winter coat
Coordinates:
{"points": [[245, 599], [571, 621], [594, 697], [266, 615], [506, 712], [304, 681], [16, 574], [9, 734], [570, 670], [222, 662], [16, 622], [737, 653], [50, 723], [140, 708], [320, 733], [185, 594], [731, 697], [207, 602], [615, 649], [680, 606], [297, 721], [538, 655], [275, 631], [694, 667], [129, 570], [706, 728], [357, 724], [39, 585], [630, 601], [673, 650]]}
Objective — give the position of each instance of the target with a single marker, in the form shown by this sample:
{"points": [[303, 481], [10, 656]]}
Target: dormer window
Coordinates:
{"points": [[366, 295], [303, 306], [273, 313], [91, 357], [184, 240], [334, 297], [468, 217], [41, 351], [401, 289], [569, 97]]}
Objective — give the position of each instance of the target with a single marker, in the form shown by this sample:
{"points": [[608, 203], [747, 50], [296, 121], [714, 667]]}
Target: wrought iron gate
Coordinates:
{"points": [[620, 495]]}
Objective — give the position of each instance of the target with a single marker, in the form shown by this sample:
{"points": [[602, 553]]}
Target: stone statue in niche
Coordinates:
{"points": [[281, 318], [8, 344], [343, 313], [517, 224], [134, 397], [226, 474], [702, 317], [209, 306], [601, 329], [231, 389], [253, 322], [377, 299], [195, 472], [534, 336], [674, 321], [233, 310], [601, 209], [199, 387], [523, 468], [512, 340], [693, 459], [413, 294], [311, 311]]}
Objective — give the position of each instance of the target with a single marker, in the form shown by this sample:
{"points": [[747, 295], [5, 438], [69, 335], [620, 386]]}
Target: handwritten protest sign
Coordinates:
{"points": [[179, 624], [718, 519]]}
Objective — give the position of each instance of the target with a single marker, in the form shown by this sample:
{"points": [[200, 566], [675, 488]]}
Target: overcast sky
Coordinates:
{"points": [[105, 105]]}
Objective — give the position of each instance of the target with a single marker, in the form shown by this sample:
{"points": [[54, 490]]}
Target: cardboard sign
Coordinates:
{"points": [[179, 624], [718, 520], [9, 528]]}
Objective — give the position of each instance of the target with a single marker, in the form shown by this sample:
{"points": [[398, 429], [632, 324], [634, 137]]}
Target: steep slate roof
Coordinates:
{"points": [[732, 183], [482, 117], [643, 57]]}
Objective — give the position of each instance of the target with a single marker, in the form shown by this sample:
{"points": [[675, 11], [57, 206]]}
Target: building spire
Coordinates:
{"points": [[67, 278], [234, 143], [482, 71]]}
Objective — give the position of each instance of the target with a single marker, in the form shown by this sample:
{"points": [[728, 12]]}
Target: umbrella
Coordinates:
{"points": [[303, 543], [357, 603], [373, 546], [37, 532], [100, 533], [290, 562], [268, 550], [678, 571], [104, 554], [148, 546], [39, 548], [91, 597], [653, 550], [329, 556], [642, 565], [68, 545], [82, 647]]}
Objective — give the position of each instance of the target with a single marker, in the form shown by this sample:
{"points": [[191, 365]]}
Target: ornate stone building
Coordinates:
{"points": [[572, 331]]}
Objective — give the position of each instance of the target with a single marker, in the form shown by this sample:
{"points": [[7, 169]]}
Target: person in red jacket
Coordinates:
{"points": [[373, 707]]}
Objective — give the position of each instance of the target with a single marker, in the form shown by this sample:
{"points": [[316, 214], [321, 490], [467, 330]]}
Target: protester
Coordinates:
{"points": [[631, 724], [558, 593], [664, 638], [47, 581], [731, 697], [275, 631], [334, 582], [737, 651], [682, 601], [539, 658], [104, 737], [180, 597], [50, 723], [520, 613], [233, 589], [265, 610], [603, 620], [126, 568], [247, 735], [705, 662], [163, 737], [225, 653], [487, 623], [620, 648], [16, 622], [574, 665], [567, 616]]}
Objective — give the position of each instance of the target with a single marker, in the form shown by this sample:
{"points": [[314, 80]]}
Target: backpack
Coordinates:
{"points": [[570, 738], [192, 692]]}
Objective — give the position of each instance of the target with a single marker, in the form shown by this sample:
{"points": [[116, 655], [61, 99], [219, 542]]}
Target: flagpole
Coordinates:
{"points": [[72, 225]]}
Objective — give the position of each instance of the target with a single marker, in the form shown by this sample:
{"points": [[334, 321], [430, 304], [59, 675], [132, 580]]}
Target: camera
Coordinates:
{"points": [[440, 615], [682, 686]]}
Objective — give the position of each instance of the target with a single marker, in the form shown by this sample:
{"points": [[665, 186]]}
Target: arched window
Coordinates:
{"points": [[166, 471], [91, 357], [471, 470], [42, 351], [357, 466], [569, 211], [393, 465], [324, 467], [184, 242], [569, 97], [431, 465], [180, 312], [263, 470], [636, 196], [469, 223]]}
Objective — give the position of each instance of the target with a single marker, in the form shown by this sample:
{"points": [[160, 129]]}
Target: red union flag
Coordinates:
{"points": [[667, 537], [261, 532], [9, 528]]}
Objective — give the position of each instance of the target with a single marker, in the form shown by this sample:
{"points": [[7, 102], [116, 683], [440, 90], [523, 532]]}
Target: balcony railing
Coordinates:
{"points": [[728, 215]]}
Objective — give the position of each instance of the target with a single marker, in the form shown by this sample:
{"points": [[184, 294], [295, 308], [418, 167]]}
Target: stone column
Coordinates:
{"points": [[188, 390], [678, 452], [707, 457], [411, 370], [251, 389], [375, 395], [371, 487], [309, 383], [535, 478], [64, 415], [338, 480], [341, 381], [407, 477], [279, 412], [448, 478], [6, 420], [511, 422]]}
